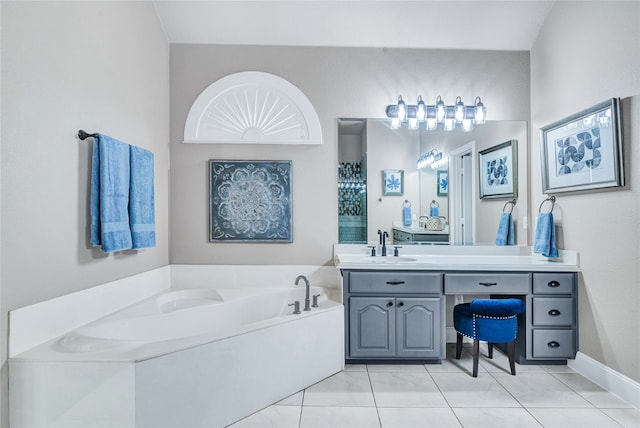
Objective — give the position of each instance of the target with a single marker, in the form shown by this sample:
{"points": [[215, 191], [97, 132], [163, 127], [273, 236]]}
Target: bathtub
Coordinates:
{"points": [[196, 357]]}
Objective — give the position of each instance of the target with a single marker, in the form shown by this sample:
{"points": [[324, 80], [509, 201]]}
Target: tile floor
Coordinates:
{"points": [[445, 395]]}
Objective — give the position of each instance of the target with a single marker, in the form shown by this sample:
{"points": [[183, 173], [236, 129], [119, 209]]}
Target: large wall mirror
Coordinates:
{"points": [[369, 147]]}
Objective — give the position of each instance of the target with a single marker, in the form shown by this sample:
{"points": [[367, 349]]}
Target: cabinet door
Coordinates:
{"points": [[418, 327], [372, 326]]}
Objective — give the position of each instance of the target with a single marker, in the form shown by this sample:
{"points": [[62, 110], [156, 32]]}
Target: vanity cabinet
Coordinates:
{"points": [[552, 321], [547, 331], [399, 314], [393, 315], [401, 236]]}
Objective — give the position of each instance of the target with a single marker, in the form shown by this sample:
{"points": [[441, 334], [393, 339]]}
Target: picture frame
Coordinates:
{"points": [[443, 182], [583, 151], [250, 201], [393, 182], [498, 170]]}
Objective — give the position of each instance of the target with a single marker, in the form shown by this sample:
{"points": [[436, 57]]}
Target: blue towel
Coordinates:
{"points": [[95, 194], [433, 212], [545, 241], [141, 204], [110, 194], [406, 215], [505, 230]]}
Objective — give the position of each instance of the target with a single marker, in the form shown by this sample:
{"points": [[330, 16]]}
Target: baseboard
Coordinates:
{"points": [[609, 379]]}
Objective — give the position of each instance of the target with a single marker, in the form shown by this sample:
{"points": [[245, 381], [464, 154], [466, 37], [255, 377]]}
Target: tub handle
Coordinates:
{"points": [[315, 301], [296, 306]]}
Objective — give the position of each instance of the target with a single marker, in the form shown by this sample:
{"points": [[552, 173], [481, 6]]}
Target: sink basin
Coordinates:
{"points": [[389, 259]]}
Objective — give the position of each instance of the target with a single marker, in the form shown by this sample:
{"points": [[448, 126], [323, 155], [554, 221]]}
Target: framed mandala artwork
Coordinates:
{"points": [[250, 201], [498, 168], [583, 151]]}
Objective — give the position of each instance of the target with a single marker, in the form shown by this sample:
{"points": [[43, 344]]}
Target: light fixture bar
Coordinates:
{"points": [[450, 116]]}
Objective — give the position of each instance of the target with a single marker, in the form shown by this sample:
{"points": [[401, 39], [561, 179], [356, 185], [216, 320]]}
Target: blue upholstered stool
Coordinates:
{"points": [[488, 320]]}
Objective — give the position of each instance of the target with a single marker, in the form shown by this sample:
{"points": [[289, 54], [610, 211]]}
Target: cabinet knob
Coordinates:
{"points": [[554, 312], [553, 284], [395, 282], [400, 304], [389, 304], [553, 344]]}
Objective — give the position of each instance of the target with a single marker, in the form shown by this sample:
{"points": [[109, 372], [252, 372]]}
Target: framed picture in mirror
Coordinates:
{"points": [[498, 168], [393, 182], [443, 183]]}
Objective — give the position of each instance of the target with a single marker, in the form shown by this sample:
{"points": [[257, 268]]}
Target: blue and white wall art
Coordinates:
{"points": [[498, 167], [393, 182], [583, 151], [250, 201]]}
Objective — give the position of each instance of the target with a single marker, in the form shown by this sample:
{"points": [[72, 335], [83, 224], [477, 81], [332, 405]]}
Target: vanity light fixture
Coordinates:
{"points": [[439, 113], [432, 158]]}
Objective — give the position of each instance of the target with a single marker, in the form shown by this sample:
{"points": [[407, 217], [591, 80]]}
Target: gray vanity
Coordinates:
{"points": [[395, 307]]}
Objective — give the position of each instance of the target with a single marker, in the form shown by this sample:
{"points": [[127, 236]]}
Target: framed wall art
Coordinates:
{"points": [[393, 182], [443, 183], [250, 201], [583, 151], [498, 168]]}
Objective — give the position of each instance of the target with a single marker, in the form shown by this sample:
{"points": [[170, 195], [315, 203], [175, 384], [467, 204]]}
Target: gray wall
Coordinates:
{"points": [[588, 52], [339, 82], [99, 66]]}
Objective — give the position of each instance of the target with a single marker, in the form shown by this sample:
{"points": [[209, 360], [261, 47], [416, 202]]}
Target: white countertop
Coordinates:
{"points": [[416, 229], [455, 258]]}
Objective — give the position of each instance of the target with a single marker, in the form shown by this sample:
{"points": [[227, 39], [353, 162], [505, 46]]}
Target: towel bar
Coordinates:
{"points": [[512, 202], [84, 135], [551, 199]]}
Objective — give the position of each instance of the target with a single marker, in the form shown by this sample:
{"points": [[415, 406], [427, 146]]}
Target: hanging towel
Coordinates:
{"points": [[141, 203], [406, 215], [110, 194], [505, 234], [545, 240]]}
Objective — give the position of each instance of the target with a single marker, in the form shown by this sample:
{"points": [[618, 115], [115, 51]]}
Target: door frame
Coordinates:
{"points": [[455, 227]]}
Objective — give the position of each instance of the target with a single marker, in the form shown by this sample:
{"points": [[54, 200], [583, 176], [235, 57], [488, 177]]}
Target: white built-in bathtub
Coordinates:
{"points": [[181, 356]]}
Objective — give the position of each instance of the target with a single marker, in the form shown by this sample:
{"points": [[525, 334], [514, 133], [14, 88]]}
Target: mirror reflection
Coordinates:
{"points": [[439, 203]]}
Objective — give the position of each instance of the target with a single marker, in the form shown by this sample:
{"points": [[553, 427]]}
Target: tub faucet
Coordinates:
{"points": [[307, 301]]}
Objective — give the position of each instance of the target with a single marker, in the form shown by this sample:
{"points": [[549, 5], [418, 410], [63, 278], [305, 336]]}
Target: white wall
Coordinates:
{"points": [[99, 66], [588, 52], [339, 82], [383, 210]]}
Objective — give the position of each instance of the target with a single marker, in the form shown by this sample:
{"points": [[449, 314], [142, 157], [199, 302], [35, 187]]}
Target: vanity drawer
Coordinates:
{"points": [[554, 343], [391, 282], [553, 283], [486, 283], [400, 236], [553, 311]]}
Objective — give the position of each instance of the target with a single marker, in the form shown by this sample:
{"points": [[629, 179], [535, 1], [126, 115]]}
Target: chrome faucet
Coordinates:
{"points": [[307, 301]]}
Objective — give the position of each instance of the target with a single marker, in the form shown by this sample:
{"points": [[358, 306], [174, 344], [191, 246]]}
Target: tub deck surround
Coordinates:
{"points": [[199, 340], [454, 258], [176, 319]]}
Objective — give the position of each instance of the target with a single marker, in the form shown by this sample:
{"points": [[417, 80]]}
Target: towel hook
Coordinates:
{"points": [[406, 204], [551, 199], [84, 135], [512, 202]]}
